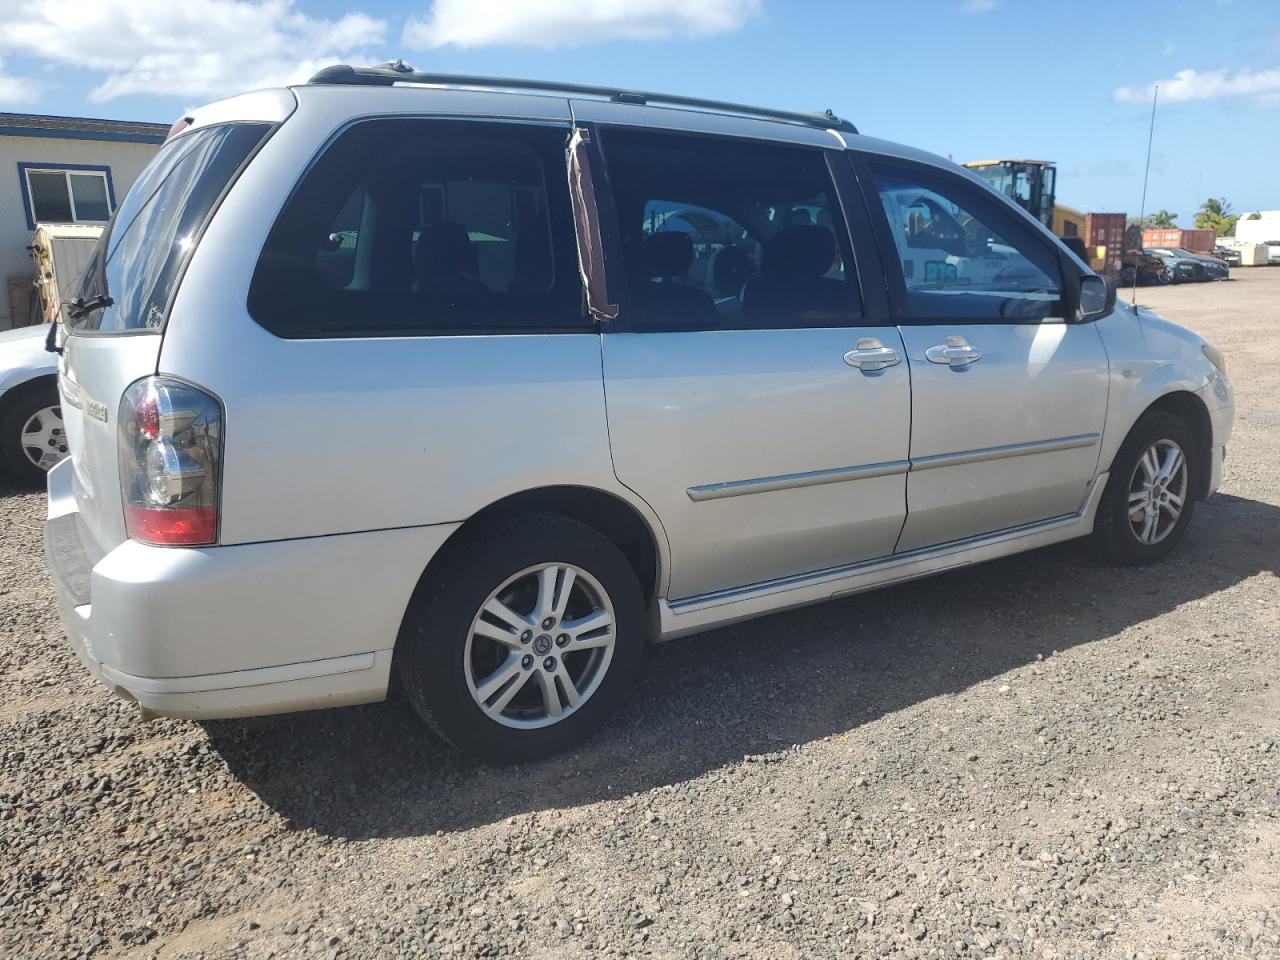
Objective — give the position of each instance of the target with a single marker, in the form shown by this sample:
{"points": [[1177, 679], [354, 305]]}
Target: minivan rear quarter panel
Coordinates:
{"points": [[327, 436]]}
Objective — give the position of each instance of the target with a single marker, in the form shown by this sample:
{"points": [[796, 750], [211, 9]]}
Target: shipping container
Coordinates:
{"points": [[1197, 241], [1106, 232]]}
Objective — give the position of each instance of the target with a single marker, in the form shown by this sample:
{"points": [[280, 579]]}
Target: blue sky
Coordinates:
{"points": [[975, 79]]}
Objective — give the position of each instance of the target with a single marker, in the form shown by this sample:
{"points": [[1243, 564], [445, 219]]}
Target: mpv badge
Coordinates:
{"points": [[95, 409]]}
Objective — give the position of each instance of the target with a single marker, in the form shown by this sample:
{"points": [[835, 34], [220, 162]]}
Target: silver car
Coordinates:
{"points": [[32, 438], [484, 385]]}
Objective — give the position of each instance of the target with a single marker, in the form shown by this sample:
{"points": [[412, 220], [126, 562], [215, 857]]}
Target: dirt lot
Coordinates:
{"points": [[1042, 757]]}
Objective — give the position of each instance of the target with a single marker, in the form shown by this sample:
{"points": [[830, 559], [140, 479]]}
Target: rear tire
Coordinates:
{"points": [[526, 639], [32, 439], [1150, 493]]}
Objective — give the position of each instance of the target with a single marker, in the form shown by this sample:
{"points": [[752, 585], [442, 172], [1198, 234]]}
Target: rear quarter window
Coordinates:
{"points": [[141, 254], [413, 227]]}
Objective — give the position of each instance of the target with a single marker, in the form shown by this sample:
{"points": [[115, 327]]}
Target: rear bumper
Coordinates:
{"points": [[240, 630]]}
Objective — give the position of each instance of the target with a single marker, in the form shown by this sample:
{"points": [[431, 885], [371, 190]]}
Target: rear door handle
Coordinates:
{"points": [[871, 355], [955, 352]]}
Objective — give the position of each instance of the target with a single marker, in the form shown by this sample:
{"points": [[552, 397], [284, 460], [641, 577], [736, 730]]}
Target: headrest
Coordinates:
{"points": [[444, 250], [666, 254], [799, 252], [730, 269]]}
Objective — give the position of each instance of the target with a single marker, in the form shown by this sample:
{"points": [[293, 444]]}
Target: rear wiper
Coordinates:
{"points": [[78, 307]]}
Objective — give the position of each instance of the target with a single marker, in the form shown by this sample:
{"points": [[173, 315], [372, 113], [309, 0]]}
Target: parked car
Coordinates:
{"points": [[32, 437], [1177, 269], [1228, 255], [1185, 265], [1273, 251], [1218, 268], [1139, 267], [370, 376]]}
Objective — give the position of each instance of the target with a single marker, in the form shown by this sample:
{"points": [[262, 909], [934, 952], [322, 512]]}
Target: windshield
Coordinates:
{"points": [[134, 270]]}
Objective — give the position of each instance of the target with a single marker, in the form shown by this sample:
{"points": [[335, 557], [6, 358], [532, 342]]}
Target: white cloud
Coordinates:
{"points": [[16, 91], [560, 23], [187, 48], [1263, 86], [978, 6]]}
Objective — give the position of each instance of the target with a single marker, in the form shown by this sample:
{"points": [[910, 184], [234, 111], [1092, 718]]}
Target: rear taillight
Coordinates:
{"points": [[170, 462]]}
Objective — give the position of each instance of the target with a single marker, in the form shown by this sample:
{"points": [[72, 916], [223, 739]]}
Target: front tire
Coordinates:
{"points": [[32, 437], [526, 639], [1150, 493]]}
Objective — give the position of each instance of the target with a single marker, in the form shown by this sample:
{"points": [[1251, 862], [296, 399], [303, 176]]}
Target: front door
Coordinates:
{"points": [[1008, 398], [756, 398]]}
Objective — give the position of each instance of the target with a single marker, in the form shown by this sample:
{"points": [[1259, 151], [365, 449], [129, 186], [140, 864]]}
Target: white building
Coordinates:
{"points": [[1258, 231], [60, 170]]}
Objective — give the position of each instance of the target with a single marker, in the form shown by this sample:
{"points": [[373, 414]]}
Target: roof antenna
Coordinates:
{"points": [[1146, 174]]}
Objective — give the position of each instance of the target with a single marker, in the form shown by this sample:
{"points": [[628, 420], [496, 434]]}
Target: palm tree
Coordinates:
{"points": [[1215, 214], [1160, 220], [1216, 207]]}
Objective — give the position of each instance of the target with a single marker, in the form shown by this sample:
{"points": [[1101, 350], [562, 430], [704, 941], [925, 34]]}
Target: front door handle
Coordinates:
{"points": [[871, 355], [955, 352]]}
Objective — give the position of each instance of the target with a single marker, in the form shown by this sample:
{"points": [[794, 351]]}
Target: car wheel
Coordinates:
{"points": [[1163, 277], [1150, 493], [32, 437], [525, 640]]}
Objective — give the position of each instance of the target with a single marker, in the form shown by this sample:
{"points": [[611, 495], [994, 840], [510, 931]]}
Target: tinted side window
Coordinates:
{"points": [[408, 227], [962, 256], [727, 234]]}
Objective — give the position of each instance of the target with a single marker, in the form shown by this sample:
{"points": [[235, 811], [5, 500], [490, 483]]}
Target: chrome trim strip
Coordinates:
{"points": [[812, 478], [688, 615], [1008, 450], [788, 481]]}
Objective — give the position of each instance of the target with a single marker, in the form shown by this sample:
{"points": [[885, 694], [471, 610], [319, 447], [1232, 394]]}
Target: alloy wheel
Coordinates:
{"points": [[1157, 491], [539, 646], [44, 440]]}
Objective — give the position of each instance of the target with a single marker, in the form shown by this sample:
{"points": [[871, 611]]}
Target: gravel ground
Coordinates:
{"points": [[1041, 757]]}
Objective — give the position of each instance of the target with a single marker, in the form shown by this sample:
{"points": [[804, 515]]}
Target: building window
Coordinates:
{"points": [[67, 194]]}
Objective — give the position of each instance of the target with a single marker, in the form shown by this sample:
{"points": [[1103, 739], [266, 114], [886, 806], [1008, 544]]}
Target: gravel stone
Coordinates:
{"points": [[1038, 757]]}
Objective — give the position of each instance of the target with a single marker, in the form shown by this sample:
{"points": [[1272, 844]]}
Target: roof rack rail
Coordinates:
{"points": [[399, 72]]}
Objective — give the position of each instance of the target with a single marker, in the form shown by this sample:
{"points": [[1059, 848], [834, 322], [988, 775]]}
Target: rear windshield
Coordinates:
{"points": [[141, 254]]}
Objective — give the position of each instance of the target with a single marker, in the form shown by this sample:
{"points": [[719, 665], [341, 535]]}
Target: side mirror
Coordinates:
{"points": [[1097, 297]]}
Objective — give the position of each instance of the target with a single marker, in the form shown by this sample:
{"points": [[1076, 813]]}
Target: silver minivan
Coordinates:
{"points": [[483, 385]]}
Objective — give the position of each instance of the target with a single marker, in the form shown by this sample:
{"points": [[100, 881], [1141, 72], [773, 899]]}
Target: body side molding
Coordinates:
{"points": [[682, 617], [788, 481]]}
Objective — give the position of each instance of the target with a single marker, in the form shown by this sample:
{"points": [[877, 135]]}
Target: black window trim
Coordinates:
{"points": [[972, 194], [589, 326], [861, 244]]}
